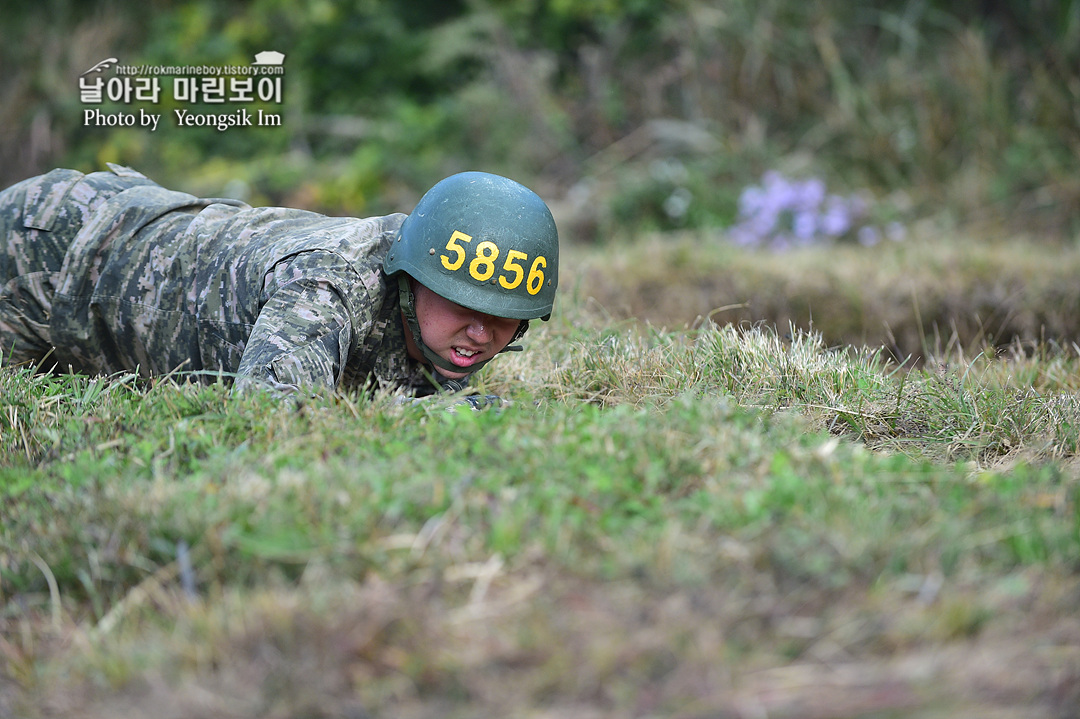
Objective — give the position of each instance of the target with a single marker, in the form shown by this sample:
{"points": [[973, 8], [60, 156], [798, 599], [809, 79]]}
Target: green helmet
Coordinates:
{"points": [[484, 242]]}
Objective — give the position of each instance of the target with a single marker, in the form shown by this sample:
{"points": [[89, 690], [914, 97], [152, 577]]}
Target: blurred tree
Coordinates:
{"points": [[972, 101]]}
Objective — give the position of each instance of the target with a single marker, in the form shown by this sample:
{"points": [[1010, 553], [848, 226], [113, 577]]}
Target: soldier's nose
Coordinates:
{"points": [[479, 330]]}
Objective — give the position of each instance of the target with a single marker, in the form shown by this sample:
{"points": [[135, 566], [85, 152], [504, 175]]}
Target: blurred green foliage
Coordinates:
{"points": [[967, 107]]}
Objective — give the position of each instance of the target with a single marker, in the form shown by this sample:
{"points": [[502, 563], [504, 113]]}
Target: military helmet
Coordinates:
{"points": [[484, 242]]}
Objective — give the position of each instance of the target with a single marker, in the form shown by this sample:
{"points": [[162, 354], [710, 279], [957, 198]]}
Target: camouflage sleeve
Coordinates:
{"points": [[301, 339]]}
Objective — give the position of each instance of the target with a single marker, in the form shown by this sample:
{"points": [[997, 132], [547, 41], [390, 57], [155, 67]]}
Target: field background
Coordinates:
{"points": [[748, 470]]}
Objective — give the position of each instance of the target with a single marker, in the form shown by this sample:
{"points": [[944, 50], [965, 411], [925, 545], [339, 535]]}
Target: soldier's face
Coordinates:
{"points": [[458, 334]]}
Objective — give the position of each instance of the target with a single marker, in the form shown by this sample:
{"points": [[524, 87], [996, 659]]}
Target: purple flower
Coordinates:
{"points": [[810, 194], [836, 220], [869, 236], [805, 225], [781, 213]]}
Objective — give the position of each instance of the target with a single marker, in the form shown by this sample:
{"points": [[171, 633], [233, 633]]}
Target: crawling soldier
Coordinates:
{"points": [[110, 272]]}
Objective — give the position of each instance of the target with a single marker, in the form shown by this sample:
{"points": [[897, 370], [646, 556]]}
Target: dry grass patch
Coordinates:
{"points": [[926, 296]]}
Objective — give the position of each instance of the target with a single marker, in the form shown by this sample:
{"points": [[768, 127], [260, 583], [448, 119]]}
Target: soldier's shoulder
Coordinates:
{"points": [[394, 220], [381, 225]]}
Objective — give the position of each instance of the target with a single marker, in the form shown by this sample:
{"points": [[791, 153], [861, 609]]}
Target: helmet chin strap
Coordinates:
{"points": [[408, 306]]}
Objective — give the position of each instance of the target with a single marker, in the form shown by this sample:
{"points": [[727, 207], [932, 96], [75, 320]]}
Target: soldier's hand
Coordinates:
{"points": [[452, 403], [477, 402]]}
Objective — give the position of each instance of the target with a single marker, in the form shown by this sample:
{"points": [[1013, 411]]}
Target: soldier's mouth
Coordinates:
{"points": [[463, 357]]}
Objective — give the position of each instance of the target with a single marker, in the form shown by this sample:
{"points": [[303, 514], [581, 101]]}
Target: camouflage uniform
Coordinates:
{"points": [[108, 272]]}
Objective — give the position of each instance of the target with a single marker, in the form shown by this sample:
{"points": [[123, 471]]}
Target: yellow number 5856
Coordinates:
{"points": [[482, 267]]}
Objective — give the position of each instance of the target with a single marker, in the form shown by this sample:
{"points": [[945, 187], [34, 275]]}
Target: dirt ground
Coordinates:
{"points": [[481, 642]]}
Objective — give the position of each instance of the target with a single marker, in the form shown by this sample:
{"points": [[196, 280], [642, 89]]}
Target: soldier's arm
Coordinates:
{"points": [[300, 339]]}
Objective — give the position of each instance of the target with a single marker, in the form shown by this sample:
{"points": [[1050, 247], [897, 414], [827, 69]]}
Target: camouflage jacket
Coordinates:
{"points": [[163, 281]]}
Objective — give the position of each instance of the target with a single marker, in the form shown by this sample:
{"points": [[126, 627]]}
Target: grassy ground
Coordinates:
{"points": [[719, 522]]}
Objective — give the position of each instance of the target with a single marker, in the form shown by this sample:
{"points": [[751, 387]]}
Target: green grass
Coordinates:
{"points": [[660, 521]]}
